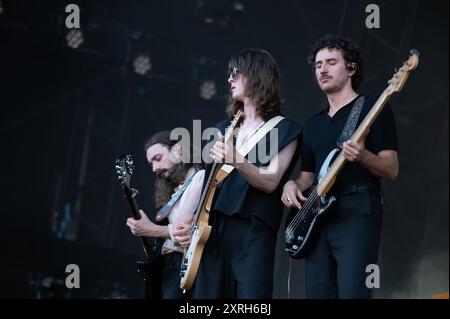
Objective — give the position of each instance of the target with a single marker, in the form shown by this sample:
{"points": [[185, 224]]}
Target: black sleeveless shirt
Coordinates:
{"points": [[236, 196]]}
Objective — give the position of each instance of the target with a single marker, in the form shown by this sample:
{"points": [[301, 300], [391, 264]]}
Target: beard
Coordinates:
{"points": [[166, 182]]}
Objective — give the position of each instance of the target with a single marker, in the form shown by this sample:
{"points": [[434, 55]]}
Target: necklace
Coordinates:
{"points": [[245, 133]]}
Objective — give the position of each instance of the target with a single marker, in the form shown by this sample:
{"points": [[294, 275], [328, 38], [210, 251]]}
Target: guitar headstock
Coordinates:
{"points": [[124, 169], [397, 82]]}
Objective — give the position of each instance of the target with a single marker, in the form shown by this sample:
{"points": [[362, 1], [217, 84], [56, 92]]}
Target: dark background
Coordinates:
{"points": [[66, 114]]}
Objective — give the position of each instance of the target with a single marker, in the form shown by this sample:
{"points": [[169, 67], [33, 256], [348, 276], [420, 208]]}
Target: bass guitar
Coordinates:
{"points": [[302, 225]]}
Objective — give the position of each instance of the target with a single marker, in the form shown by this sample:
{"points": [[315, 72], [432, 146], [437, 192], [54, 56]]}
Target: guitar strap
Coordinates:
{"points": [[346, 134], [165, 210], [226, 169], [352, 121]]}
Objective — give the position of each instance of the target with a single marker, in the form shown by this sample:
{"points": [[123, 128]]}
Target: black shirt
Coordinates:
{"points": [[321, 133], [236, 196]]}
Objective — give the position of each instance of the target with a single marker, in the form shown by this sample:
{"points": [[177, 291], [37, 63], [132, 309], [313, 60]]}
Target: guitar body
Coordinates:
{"points": [[191, 261], [300, 239], [302, 225], [151, 272], [151, 268], [201, 229]]}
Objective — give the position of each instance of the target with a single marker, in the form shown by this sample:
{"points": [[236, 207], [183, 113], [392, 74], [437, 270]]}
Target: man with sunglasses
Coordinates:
{"points": [[238, 258]]}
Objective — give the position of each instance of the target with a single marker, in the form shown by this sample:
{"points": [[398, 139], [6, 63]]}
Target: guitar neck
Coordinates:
{"points": [[201, 214], [132, 203], [205, 193], [328, 181], [136, 215]]}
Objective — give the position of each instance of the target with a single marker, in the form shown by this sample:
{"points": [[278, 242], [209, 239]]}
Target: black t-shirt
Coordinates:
{"points": [[321, 133], [236, 196]]}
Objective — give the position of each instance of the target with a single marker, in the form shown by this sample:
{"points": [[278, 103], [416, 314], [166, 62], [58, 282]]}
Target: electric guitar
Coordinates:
{"points": [[302, 225], [151, 268], [201, 230]]}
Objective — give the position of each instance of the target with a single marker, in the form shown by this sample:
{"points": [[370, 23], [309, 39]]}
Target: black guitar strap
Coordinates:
{"points": [[352, 121]]}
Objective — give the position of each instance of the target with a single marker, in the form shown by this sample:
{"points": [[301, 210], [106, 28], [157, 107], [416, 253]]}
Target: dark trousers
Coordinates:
{"points": [[347, 242], [170, 277], [237, 261]]}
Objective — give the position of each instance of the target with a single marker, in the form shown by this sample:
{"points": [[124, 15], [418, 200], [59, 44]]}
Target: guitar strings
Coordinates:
{"points": [[303, 211]]}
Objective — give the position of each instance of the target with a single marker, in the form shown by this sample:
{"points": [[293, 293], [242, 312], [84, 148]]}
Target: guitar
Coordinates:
{"points": [[302, 225], [201, 230], [151, 268]]}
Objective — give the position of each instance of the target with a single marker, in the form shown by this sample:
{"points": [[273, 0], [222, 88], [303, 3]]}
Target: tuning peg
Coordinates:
{"points": [[396, 70], [389, 82]]}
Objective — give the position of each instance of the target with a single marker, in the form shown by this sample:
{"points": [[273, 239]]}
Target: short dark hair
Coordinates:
{"points": [[351, 53], [263, 80]]}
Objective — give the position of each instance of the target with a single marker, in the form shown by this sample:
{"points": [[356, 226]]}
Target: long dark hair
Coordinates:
{"points": [[164, 188], [263, 81], [350, 52]]}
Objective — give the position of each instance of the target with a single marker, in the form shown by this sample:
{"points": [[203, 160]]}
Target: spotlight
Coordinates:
{"points": [[74, 38], [142, 64], [238, 6], [208, 89]]}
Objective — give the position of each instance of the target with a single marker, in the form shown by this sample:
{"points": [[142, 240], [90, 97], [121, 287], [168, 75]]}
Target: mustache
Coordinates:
{"points": [[161, 171]]}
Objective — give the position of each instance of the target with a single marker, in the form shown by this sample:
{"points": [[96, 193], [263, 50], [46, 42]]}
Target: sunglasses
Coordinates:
{"points": [[234, 72]]}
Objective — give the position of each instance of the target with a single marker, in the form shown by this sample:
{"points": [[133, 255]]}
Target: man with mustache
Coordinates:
{"points": [[350, 234], [163, 155]]}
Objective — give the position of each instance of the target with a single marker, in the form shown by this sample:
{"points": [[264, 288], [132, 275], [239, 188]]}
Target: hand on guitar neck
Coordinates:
{"points": [[383, 165], [225, 152], [353, 151], [144, 227]]}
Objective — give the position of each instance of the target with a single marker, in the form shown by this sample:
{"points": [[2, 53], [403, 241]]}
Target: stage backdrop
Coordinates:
{"points": [[72, 101]]}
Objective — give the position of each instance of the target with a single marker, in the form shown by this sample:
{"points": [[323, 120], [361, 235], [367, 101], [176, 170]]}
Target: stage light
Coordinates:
{"points": [[74, 38], [1, 7], [208, 89], [142, 64], [238, 6]]}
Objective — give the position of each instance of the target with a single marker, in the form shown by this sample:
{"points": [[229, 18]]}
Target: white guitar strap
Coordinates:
{"points": [[253, 140]]}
